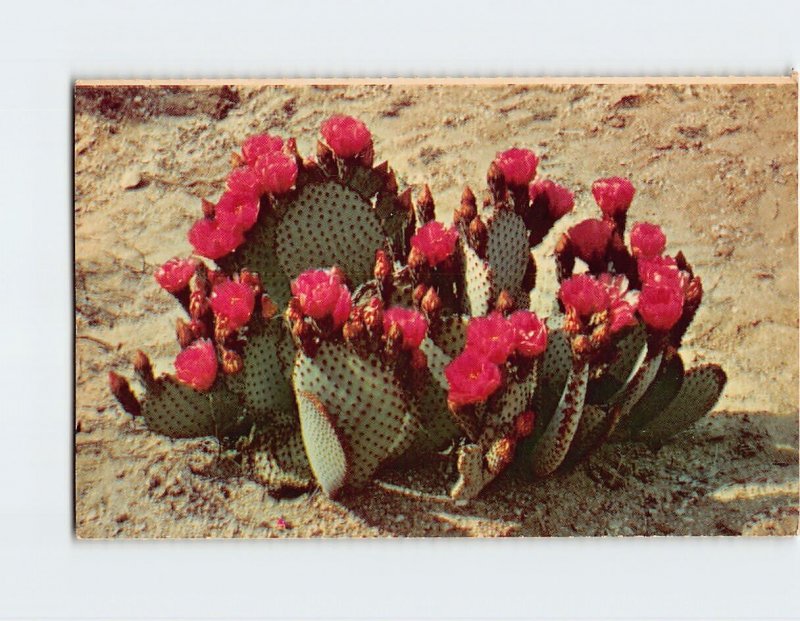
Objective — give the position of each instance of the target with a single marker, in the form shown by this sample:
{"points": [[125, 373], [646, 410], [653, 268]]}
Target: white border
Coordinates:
{"points": [[45, 573]]}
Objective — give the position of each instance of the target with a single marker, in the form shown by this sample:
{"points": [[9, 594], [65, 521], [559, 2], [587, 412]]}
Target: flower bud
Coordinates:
{"points": [[478, 235], [232, 362], [431, 303], [144, 368], [523, 423], [222, 328], [394, 340], [418, 295], [500, 454], [497, 182], [383, 266], [123, 393], [252, 280], [373, 315], [354, 330], [505, 302], [416, 259], [198, 304], [209, 208], [325, 158], [294, 311], [268, 308], [184, 333], [425, 206]]}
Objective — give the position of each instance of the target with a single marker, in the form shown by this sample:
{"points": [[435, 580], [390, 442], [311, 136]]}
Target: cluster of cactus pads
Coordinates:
{"points": [[341, 327]]}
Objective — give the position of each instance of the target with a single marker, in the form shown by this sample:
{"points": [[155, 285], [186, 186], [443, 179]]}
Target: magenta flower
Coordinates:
{"points": [[258, 145], [245, 181], [321, 293], [660, 306], [494, 337], [213, 241], [613, 195], [196, 366], [647, 240], [276, 171], [471, 378], [560, 200], [234, 301], [584, 295], [659, 270], [531, 333], [435, 242], [591, 238], [412, 323], [175, 274], [517, 165], [622, 303], [237, 211], [346, 135]]}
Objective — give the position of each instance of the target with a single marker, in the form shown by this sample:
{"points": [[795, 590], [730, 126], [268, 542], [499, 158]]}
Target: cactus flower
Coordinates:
{"points": [[412, 323], [471, 378], [260, 144], [346, 136], [277, 172], [213, 241], [584, 294], [559, 200], [591, 238], [659, 270], [237, 211], [435, 242], [622, 303], [531, 333], [174, 275], [494, 337], [321, 293], [517, 165], [647, 240], [245, 181], [196, 366], [613, 195], [234, 301], [660, 306]]}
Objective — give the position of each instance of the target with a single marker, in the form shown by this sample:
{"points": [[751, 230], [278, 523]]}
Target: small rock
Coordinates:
{"points": [[122, 517], [131, 179]]}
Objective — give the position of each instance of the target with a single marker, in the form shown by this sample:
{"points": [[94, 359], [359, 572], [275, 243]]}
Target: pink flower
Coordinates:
{"points": [[258, 145], [213, 241], [196, 366], [660, 306], [584, 294], [647, 240], [412, 323], [346, 135], [174, 275], [321, 293], [531, 333], [659, 270], [613, 195], [245, 181], [276, 171], [435, 242], [517, 165], [559, 200], [494, 337], [234, 301], [471, 378], [622, 303], [591, 238], [237, 211]]}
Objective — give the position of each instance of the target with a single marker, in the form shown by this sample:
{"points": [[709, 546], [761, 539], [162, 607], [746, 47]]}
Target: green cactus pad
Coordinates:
{"points": [[662, 390], [394, 220], [263, 380], [366, 181], [452, 334], [363, 402], [178, 411], [624, 401], [259, 254], [516, 399], [551, 449], [699, 392], [554, 369], [324, 445], [592, 430], [279, 461], [631, 350], [329, 224], [508, 253], [479, 290], [473, 476]]}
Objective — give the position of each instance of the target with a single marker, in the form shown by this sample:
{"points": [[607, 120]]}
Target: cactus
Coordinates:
{"points": [[342, 328]]}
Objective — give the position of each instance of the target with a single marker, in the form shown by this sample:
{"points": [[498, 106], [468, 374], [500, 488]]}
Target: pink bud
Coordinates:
{"points": [[237, 211], [196, 366], [584, 294], [647, 240], [494, 337], [559, 200], [660, 306], [517, 165], [435, 242], [613, 195], [213, 241], [346, 135], [258, 145], [174, 275], [531, 333], [471, 378], [412, 323], [234, 301], [277, 172]]}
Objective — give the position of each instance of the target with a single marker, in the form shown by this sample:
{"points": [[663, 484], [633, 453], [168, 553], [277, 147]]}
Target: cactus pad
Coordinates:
{"points": [[663, 389], [631, 350], [699, 392], [178, 411], [479, 290], [279, 461], [451, 335], [324, 445], [328, 224], [554, 369], [508, 253]]}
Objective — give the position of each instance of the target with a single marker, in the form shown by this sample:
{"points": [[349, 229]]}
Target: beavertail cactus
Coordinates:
{"points": [[332, 325]]}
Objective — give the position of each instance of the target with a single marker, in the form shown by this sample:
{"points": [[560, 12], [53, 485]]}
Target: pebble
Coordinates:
{"points": [[130, 179], [400, 518]]}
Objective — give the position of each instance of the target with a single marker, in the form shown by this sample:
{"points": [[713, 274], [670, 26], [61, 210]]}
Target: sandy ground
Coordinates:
{"points": [[714, 165]]}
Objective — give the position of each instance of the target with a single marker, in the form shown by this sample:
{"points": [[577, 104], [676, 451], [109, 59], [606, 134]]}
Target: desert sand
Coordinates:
{"points": [[714, 165]]}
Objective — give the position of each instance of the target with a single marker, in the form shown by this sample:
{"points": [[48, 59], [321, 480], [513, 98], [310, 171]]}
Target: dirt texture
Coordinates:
{"points": [[714, 165]]}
